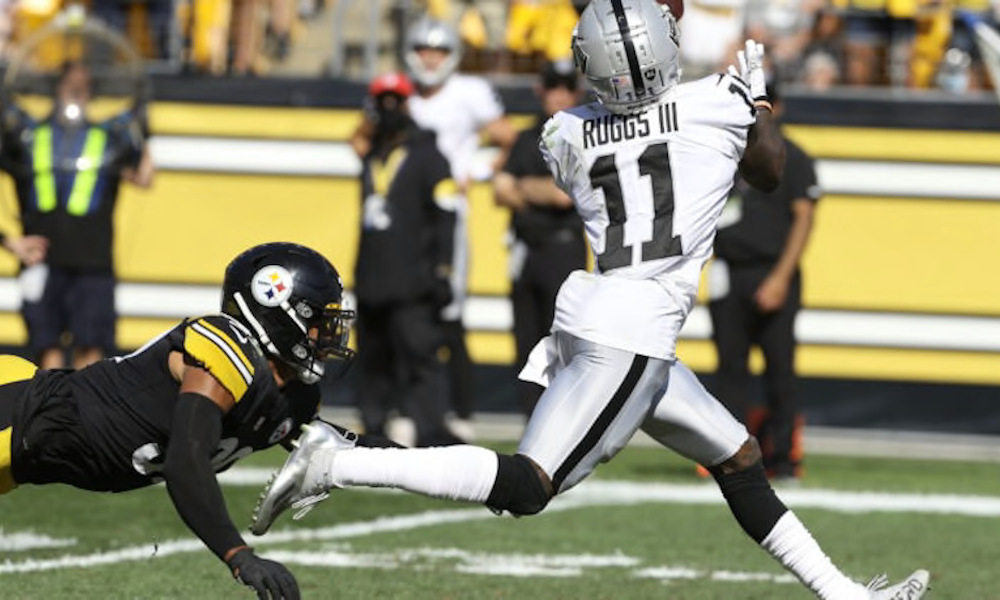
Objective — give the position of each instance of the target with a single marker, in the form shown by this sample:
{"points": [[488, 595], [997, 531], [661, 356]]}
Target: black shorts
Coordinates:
{"points": [[78, 302], [48, 442]]}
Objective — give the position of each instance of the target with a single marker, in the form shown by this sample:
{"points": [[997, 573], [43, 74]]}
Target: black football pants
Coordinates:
{"points": [[399, 368], [533, 296], [737, 324]]}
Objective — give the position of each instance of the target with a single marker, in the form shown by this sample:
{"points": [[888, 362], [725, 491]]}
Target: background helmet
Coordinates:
{"points": [[431, 33], [281, 291], [628, 51]]}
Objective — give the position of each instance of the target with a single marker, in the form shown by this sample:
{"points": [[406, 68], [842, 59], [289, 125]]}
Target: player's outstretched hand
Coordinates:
{"points": [[750, 68], [271, 580]]}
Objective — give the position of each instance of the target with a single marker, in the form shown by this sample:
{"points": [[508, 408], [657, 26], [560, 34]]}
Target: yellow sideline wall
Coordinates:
{"points": [[911, 255]]}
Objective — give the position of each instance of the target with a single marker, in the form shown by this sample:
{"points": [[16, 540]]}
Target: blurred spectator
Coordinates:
{"points": [[820, 72], [404, 261], [711, 30], [933, 30], [459, 109], [963, 37], [7, 14], [278, 33], [547, 234], [67, 173], [158, 16], [785, 27], [755, 291], [206, 27], [878, 41], [245, 35], [540, 27]]}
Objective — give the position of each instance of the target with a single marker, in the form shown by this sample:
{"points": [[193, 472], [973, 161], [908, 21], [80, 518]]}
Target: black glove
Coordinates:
{"points": [[271, 580]]}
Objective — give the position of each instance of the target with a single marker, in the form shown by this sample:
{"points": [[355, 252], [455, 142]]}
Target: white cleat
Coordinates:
{"points": [[912, 588], [288, 487]]}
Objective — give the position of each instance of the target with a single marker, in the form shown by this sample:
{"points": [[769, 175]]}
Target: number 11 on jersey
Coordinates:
{"points": [[654, 164]]}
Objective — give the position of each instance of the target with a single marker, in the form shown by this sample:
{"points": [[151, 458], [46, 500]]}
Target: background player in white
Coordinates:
{"points": [[649, 168], [461, 109]]}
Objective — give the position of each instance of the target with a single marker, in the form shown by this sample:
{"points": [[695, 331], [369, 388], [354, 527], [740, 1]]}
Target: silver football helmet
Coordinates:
{"points": [[431, 33], [628, 51]]}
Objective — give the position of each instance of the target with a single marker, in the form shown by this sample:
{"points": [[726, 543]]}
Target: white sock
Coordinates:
{"points": [[794, 547], [451, 472]]}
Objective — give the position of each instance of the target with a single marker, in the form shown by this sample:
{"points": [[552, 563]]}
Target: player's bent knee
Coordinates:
{"points": [[746, 457], [518, 488]]}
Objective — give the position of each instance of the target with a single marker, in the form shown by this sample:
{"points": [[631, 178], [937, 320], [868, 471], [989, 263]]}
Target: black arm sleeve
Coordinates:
{"points": [[191, 483]]}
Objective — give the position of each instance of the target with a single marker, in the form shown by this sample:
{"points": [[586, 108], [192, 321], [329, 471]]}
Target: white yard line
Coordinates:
{"points": [[589, 493], [21, 541]]}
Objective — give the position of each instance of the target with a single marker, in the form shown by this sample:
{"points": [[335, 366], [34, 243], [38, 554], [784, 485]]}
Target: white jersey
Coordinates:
{"points": [[456, 113], [649, 187]]}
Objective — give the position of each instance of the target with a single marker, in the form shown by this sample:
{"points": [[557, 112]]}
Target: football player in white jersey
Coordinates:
{"points": [[649, 168]]}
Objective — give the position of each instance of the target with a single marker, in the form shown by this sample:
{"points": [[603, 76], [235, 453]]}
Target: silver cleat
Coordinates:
{"points": [[286, 487]]}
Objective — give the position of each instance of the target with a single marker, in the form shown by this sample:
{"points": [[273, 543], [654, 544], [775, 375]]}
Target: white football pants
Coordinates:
{"points": [[599, 396]]}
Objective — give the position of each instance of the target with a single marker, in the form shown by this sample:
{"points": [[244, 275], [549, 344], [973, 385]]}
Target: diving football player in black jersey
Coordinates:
{"points": [[189, 403]]}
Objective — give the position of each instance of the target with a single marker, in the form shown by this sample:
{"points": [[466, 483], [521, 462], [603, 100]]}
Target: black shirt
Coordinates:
{"points": [[408, 225], [125, 405], [80, 232], [538, 225], [765, 218]]}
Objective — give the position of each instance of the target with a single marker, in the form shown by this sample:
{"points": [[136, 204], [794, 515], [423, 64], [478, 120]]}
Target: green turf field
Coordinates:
{"points": [[643, 527]]}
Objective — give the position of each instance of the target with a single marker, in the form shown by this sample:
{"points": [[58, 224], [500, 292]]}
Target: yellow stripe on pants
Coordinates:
{"points": [[12, 368], [6, 478]]}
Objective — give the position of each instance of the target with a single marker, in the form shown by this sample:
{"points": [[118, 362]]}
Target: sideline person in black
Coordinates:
{"points": [[403, 269], [547, 234], [755, 294], [67, 172], [191, 402]]}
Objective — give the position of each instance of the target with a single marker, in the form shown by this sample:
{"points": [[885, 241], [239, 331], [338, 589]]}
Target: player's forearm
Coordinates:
{"points": [[189, 476], [506, 192], [543, 191], [798, 238], [764, 159]]}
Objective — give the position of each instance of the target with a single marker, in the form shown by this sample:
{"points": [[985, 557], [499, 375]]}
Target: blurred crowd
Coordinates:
{"points": [[218, 37], [816, 43]]}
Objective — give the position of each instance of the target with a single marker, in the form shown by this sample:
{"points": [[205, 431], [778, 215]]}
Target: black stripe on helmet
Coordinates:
{"points": [[638, 84]]}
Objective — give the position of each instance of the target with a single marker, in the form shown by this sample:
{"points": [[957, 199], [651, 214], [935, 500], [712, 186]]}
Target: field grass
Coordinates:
{"points": [[362, 544]]}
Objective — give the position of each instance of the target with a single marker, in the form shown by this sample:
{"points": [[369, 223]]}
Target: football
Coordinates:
{"points": [[676, 7]]}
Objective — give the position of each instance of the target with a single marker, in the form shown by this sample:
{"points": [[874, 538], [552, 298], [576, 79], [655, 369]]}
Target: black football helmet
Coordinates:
{"points": [[283, 292]]}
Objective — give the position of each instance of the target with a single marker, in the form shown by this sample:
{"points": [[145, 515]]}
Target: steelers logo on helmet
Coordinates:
{"points": [[272, 285]]}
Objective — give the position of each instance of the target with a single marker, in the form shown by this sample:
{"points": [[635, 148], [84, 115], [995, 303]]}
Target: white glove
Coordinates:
{"points": [[751, 69]]}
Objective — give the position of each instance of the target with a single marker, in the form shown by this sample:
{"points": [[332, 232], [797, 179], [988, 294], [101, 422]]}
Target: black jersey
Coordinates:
{"points": [[539, 225], [763, 219], [408, 221], [126, 404]]}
